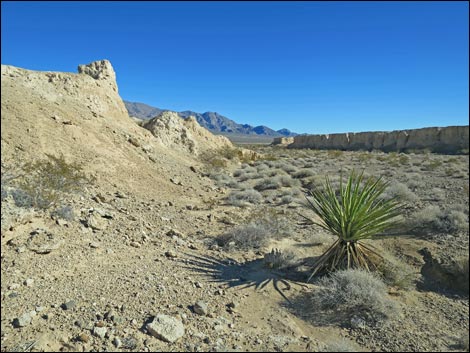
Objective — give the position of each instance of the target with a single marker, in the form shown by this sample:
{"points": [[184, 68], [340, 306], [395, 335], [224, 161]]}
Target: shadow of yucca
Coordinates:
{"points": [[244, 275]]}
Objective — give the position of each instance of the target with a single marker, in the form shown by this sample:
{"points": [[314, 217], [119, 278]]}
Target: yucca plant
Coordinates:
{"points": [[353, 213]]}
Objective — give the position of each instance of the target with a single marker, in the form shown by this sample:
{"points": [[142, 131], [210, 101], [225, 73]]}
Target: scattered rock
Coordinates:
{"points": [[69, 305], [166, 328], [200, 308], [135, 244], [83, 337], [171, 254], [100, 331], [24, 319]]}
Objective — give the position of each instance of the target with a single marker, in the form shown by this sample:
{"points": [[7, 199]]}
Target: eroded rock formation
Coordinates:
{"points": [[451, 139]]}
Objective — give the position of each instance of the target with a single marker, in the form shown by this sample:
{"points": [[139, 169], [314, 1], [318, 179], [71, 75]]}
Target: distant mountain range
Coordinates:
{"points": [[214, 122]]}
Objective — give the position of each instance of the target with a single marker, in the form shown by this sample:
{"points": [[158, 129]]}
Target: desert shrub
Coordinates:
{"points": [[437, 194], [364, 156], [433, 219], [21, 198], [64, 212], [396, 272], [431, 165], [238, 173], [335, 153], [273, 172], [262, 167], [221, 179], [289, 168], [244, 197], [353, 291], [400, 191], [287, 181], [245, 237], [286, 199], [279, 260], [45, 183], [304, 173], [268, 183]]}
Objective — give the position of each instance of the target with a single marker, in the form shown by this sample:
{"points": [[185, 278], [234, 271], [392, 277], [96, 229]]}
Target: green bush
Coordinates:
{"points": [[44, 183]]}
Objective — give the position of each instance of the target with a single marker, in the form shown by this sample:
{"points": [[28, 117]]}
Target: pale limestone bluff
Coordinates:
{"points": [[283, 141], [94, 87], [80, 116], [184, 134], [449, 139]]}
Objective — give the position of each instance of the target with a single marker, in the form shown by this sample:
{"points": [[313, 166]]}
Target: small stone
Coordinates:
{"points": [[28, 282], [135, 244], [69, 305], [38, 309], [198, 284], [200, 308], [24, 319], [14, 286], [94, 245], [61, 222], [83, 337], [100, 324], [170, 254], [99, 331], [117, 342]]}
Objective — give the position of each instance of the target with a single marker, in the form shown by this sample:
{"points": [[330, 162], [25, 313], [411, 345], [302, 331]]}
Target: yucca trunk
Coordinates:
{"points": [[345, 255]]}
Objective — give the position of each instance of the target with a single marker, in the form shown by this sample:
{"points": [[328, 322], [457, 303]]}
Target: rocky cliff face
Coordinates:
{"points": [[451, 139], [183, 135]]}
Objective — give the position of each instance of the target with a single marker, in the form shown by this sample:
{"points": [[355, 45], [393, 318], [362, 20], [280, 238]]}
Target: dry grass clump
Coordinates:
{"points": [[354, 292], [433, 219], [244, 198]]}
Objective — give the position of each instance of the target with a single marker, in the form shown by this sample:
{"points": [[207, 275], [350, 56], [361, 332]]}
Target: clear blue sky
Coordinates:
{"points": [[312, 67]]}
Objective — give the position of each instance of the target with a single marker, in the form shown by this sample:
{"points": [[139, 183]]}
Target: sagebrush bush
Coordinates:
{"points": [[262, 227], [244, 197], [401, 191], [304, 173], [396, 272], [44, 183], [433, 219], [245, 237], [268, 183], [352, 292]]}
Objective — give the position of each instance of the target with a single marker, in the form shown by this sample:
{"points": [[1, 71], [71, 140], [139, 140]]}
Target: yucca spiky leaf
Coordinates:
{"points": [[353, 213], [357, 211]]}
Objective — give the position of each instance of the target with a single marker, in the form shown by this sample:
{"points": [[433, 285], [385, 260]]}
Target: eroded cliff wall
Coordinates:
{"points": [[450, 139]]}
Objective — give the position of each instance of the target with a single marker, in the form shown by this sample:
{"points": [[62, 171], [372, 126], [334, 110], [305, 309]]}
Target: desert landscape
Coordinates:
{"points": [[123, 235]]}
